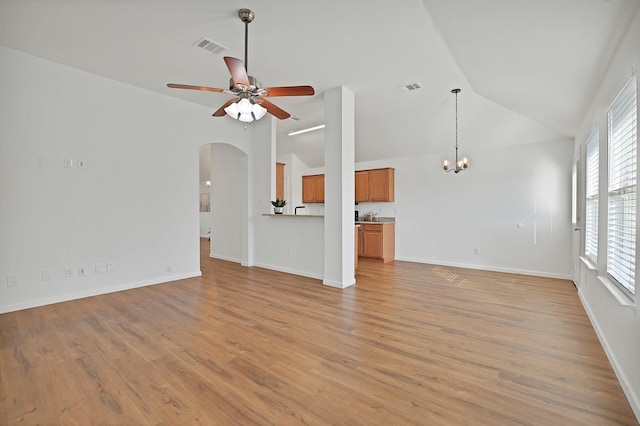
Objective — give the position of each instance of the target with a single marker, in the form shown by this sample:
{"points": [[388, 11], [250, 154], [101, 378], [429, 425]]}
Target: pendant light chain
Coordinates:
{"points": [[457, 129], [459, 166]]}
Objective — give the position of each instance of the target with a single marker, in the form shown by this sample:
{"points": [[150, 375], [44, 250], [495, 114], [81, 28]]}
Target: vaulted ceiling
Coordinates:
{"points": [[527, 68]]}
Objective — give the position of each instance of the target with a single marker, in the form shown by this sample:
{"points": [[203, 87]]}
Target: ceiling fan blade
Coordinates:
{"points": [[274, 110], [289, 91], [221, 112], [186, 86], [238, 72]]}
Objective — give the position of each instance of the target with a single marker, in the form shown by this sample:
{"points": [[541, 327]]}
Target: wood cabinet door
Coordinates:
{"points": [[308, 188], [381, 184], [360, 242], [362, 186], [372, 244], [280, 181], [319, 188]]}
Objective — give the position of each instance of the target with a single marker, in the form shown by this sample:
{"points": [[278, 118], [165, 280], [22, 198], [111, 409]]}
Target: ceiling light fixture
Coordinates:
{"points": [[461, 165], [245, 110], [310, 129]]}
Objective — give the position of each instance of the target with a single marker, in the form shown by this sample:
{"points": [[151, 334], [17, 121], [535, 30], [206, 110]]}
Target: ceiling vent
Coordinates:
{"points": [[210, 45], [411, 87], [295, 118]]}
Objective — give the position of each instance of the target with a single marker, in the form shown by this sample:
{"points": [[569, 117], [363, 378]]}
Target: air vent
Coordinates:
{"points": [[295, 118], [411, 87], [210, 45]]}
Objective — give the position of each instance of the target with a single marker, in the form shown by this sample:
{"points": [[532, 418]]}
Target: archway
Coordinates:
{"points": [[228, 194]]}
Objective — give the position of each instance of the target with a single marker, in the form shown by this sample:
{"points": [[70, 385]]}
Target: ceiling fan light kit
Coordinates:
{"points": [[252, 103], [245, 111], [460, 165]]}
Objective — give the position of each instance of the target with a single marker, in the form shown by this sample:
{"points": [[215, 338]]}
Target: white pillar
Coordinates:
{"points": [[261, 169], [339, 157]]}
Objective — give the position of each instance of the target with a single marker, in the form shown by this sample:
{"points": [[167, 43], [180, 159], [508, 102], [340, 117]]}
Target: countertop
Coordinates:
{"points": [[381, 221], [292, 215]]}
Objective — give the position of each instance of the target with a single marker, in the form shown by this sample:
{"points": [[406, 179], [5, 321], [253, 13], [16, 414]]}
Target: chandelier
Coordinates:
{"points": [[460, 165]]}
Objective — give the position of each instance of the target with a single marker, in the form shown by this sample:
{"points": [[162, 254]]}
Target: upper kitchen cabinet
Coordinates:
{"points": [[377, 185], [313, 189], [280, 181]]}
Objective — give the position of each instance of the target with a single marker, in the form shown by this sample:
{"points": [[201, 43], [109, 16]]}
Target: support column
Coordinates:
{"points": [[261, 169], [339, 158]]}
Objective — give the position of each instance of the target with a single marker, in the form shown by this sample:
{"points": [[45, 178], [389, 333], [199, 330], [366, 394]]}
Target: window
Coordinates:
{"points": [[591, 197], [623, 156]]}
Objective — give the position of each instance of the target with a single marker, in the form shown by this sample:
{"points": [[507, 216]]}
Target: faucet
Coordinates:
{"points": [[295, 211]]}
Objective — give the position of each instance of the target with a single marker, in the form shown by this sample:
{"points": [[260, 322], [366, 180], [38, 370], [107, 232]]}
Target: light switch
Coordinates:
{"points": [[68, 163]]}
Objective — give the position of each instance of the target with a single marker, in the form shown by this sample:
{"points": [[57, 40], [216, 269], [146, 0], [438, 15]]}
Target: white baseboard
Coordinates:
{"points": [[625, 383], [94, 292], [337, 284], [290, 271], [227, 258], [487, 268]]}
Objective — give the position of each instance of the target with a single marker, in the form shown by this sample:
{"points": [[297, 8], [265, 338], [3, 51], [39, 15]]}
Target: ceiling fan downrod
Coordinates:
{"points": [[246, 16]]}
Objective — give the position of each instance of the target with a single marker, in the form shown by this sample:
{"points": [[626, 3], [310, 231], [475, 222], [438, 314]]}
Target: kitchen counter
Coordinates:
{"points": [[381, 221], [292, 215]]}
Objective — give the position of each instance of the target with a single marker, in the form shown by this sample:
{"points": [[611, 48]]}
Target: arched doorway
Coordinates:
{"points": [[228, 195]]}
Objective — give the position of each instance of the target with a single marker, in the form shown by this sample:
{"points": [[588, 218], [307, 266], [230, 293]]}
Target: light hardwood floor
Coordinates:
{"points": [[409, 344]]}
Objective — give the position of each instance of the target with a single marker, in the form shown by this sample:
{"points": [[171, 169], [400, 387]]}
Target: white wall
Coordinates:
{"points": [[205, 217], [228, 168], [294, 169], [135, 204], [618, 326], [205, 175], [517, 213]]}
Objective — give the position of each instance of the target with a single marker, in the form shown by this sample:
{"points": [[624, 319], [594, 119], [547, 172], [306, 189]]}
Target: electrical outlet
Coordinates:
{"points": [[81, 164], [68, 272], [109, 267], [12, 280], [46, 275], [82, 271], [476, 251]]}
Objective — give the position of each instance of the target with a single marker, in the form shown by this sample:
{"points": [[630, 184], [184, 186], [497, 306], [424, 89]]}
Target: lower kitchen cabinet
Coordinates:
{"points": [[377, 241]]}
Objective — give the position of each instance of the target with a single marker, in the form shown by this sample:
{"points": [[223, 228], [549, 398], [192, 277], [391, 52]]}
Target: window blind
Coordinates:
{"points": [[623, 156], [591, 196]]}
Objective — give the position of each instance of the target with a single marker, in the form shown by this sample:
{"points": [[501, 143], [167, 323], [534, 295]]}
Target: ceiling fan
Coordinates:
{"points": [[252, 103]]}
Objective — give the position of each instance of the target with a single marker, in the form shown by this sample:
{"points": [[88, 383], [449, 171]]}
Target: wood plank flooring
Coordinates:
{"points": [[409, 344]]}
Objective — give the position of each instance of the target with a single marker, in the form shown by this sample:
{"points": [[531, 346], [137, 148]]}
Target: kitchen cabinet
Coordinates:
{"points": [[362, 186], [313, 189], [377, 185], [355, 242], [377, 241], [280, 181]]}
